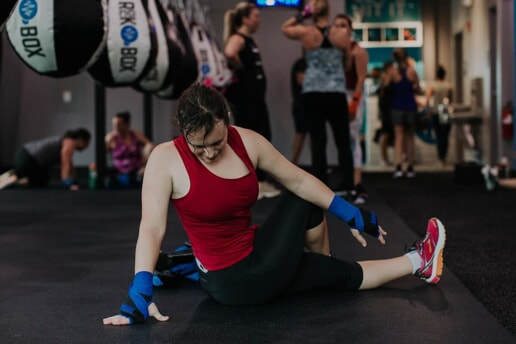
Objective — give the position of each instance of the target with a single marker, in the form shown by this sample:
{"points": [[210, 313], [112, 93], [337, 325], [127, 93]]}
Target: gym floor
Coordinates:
{"points": [[67, 260]]}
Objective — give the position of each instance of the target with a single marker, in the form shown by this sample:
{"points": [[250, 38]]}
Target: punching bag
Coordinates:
{"points": [[6, 8], [189, 70], [130, 47], [58, 38], [170, 51], [213, 69]]}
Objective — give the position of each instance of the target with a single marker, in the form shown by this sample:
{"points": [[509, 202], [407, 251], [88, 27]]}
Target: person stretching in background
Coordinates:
{"points": [[34, 159]]}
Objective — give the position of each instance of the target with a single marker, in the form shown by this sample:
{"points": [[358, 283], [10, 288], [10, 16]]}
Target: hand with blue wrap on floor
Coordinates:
{"points": [[139, 304], [360, 220]]}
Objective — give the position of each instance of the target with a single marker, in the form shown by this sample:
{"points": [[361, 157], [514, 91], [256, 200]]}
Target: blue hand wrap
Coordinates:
{"points": [[187, 270], [361, 219], [342, 209], [139, 298], [68, 182]]}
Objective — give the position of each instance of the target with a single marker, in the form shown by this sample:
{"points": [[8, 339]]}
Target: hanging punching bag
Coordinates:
{"points": [[6, 8], [170, 51], [189, 71], [130, 47], [58, 38], [213, 68]]}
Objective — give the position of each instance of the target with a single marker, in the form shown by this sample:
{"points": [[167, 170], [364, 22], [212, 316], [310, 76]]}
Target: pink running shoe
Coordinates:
{"points": [[431, 251]]}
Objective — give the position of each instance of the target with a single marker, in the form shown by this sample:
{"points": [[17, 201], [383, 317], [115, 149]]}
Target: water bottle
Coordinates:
{"points": [[92, 176]]}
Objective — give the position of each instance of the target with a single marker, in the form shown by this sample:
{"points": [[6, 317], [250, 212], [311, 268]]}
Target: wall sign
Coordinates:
{"points": [[394, 34]]}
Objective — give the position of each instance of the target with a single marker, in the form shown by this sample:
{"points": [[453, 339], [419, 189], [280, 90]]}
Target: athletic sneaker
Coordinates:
{"points": [[358, 200], [361, 191], [430, 249], [490, 175], [410, 172], [398, 173]]}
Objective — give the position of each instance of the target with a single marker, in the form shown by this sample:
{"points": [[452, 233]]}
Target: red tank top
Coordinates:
{"points": [[216, 212]]}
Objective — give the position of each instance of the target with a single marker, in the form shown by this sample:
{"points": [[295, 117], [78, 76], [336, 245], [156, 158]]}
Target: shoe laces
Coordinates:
{"points": [[414, 247]]}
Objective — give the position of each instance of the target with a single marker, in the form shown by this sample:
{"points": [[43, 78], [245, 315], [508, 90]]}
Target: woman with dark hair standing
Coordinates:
{"points": [[246, 94], [208, 173], [324, 89], [405, 84], [34, 159]]}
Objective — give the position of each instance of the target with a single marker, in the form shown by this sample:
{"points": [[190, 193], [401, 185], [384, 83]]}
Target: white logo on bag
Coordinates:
{"points": [[129, 35], [28, 10], [30, 30]]}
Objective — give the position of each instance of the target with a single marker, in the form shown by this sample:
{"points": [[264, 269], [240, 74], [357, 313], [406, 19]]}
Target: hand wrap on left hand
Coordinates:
{"points": [[361, 219], [366, 222]]}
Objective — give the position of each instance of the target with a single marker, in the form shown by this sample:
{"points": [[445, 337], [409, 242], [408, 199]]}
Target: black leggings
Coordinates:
{"points": [[278, 264], [252, 113], [26, 166], [442, 133], [332, 108]]}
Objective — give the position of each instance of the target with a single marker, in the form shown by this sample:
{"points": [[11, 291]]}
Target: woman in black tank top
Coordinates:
{"points": [[246, 94]]}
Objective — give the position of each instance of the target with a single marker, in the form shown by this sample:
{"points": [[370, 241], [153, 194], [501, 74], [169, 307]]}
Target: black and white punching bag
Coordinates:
{"points": [[188, 73], [58, 38], [6, 8], [131, 45], [170, 51]]}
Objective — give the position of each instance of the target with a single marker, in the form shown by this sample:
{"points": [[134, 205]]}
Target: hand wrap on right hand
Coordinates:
{"points": [[139, 297]]}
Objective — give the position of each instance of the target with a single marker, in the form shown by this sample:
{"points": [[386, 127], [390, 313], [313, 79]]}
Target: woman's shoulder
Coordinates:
{"points": [[166, 148], [237, 38], [243, 132], [249, 137]]}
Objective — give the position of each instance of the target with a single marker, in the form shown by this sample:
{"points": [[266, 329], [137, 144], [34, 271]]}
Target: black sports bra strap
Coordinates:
{"points": [[326, 41]]}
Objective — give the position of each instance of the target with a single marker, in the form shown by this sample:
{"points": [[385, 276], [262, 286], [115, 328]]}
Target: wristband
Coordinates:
{"points": [[305, 13], [357, 96], [361, 219], [352, 108], [136, 307], [300, 17]]}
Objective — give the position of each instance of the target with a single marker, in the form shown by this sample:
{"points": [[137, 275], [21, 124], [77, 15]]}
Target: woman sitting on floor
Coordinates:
{"points": [[209, 174]]}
